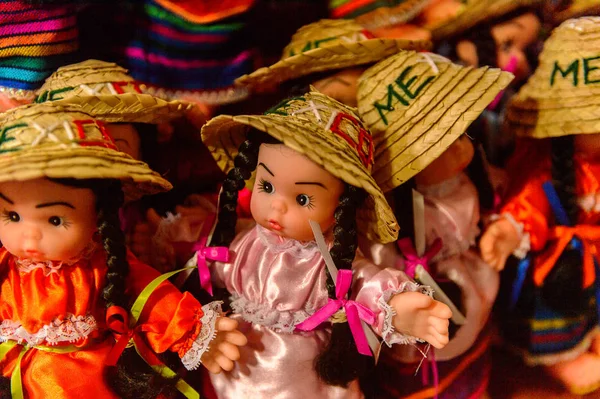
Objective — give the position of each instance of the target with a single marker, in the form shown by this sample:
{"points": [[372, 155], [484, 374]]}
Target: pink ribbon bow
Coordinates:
{"points": [[220, 254], [355, 312], [412, 260]]}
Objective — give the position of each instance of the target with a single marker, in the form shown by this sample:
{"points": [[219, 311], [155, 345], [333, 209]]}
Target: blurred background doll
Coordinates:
{"points": [[68, 281], [498, 33], [140, 125], [551, 214], [419, 106], [329, 55], [313, 164]]}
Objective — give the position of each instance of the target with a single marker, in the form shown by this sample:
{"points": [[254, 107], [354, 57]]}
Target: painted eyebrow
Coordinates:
{"points": [[267, 169], [58, 203], [315, 183], [5, 198]]}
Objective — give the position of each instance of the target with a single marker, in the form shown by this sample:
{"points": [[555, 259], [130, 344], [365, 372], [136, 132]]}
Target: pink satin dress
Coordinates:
{"points": [[276, 283]]}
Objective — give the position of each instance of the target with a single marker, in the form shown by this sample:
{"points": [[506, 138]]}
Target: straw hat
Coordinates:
{"points": [[375, 14], [417, 105], [577, 8], [562, 97], [477, 11], [328, 45], [328, 133], [56, 141], [105, 91]]}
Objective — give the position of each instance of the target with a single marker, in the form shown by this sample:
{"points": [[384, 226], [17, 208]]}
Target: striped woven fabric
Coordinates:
{"points": [[34, 42], [177, 54]]}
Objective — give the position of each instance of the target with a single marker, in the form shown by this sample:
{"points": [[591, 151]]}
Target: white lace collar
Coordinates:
{"points": [[51, 266], [278, 244]]}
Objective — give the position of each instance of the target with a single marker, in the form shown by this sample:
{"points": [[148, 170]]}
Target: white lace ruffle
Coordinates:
{"points": [[389, 334], [279, 321], [27, 265], [277, 244], [71, 329], [192, 358], [525, 242]]}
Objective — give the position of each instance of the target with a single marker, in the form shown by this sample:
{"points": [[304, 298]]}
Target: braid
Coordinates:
{"points": [[477, 172], [109, 200], [340, 363], [563, 174], [563, 287], [403, 208], [244, 164]]}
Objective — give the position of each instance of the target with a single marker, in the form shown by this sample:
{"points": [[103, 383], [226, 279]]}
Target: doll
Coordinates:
{"points": [[330, 55], [550, 217], [141, 125], [68, 281], [312, 164], [501, 34], [419, 106]]}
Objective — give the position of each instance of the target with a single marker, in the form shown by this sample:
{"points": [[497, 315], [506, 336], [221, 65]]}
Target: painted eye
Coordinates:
{"points": [[303, 200], [13, 216], [266, 187], [55, 221]]}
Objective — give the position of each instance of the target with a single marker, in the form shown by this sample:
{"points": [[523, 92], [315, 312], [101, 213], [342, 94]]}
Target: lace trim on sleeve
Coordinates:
{"points": [[389, 334], [191, 359], [525, 243]]}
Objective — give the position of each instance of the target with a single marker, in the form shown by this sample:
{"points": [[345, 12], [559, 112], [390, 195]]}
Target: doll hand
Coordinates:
{"points": [[498, 242], [223, 349], [421, 316]]}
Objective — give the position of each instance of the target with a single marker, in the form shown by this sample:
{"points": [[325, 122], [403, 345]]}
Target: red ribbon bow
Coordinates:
{"points": [[355, 312], [412, 260]]}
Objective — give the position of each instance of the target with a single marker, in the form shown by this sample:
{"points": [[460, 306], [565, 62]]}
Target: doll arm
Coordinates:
{"points": [[389, 293], [176, 321], [521, 226]]}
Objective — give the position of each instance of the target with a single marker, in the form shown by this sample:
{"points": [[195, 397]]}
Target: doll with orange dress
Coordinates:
{"points": [[419, 106], [551, 214], [73, 298], [312, 157]]}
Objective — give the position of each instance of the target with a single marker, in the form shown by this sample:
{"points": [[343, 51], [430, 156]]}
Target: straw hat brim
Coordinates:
{"points": [[83, 163], [577, 10], [387, 16], [475, 14], [128, 107], [338, 56], [224, 134], [432, 123]]}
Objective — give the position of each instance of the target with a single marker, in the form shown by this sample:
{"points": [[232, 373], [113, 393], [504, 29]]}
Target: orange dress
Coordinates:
{"points": [[53, 306], [543, 334]]}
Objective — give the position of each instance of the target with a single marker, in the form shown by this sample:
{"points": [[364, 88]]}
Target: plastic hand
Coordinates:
{"points": [[498, 242], [421, 316], [224, 349]]}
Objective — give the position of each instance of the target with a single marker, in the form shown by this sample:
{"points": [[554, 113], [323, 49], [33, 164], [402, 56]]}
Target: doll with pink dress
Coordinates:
{"points": [[312, 156]]}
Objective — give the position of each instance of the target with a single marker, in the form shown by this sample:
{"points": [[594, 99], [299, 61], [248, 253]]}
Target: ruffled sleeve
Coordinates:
{"points": [[528, 209], [172, 320], [374, 287]]}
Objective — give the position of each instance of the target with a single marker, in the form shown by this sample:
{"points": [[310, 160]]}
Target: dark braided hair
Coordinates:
{"points": [[132, 378], [563, 287], [339, 363]]}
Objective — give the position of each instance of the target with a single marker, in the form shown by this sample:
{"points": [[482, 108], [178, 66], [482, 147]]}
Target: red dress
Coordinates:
{"points": [[54, 306]]}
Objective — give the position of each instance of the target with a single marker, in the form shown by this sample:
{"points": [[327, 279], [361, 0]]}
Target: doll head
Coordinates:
{"points": [[105, 91], [327, 46], [313, 158]]}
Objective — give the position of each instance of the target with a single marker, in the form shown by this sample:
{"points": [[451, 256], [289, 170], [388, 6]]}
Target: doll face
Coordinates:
{"points": [[341, 86], [438, 11], [290, 190], [126, 139], [43, 220], [588, 146], [512, 38], [452, 161]]}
